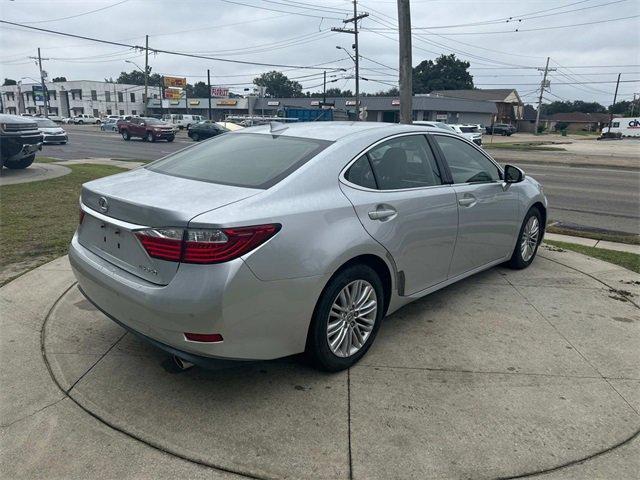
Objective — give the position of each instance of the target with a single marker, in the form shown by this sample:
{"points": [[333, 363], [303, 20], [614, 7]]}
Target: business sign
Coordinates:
{"points": [[350, 103], [194, 102], [441, 116], [175, 82], [38, 94], [229, 103], [273, 103], [395, 102], [173, 93], [219, 92], [315, 103]]}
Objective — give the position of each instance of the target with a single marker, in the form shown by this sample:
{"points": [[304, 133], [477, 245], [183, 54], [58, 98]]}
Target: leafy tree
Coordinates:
{"points": [[569, 106], [624, 108], [278, 85], [59, 79], [9, 81], [333, 92], [446, 73], [198, 90], [136, 77]]}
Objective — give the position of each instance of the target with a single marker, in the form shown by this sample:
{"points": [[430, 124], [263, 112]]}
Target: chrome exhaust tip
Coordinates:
{"points": [[181, 363]]}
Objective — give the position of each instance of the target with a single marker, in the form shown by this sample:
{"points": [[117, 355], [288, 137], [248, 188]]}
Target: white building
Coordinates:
{"points": [[79, 96]]}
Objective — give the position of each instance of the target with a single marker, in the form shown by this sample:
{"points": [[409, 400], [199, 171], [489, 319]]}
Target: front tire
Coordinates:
{"points": [[125, 135], [195, 137], [346, 319], [528, 240], [150, 137], [170, 139], [21, 164]]}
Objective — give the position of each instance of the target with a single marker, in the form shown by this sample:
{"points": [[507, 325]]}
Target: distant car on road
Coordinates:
{"points": [[67, 120], [503, 129], [205, 129], [109, 125], [273, 240], [147, 128], [181, 121], [51, 132], [55, 118], [84, 118], [470, 132], [20, 139]]}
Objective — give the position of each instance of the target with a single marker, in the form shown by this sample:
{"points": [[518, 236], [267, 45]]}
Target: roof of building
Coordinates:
{"points": [[430, 103], [579, 117], [508, 95]]}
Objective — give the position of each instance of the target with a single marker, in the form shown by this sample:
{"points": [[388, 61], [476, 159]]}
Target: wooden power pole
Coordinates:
{"points": [[146, 74], [543, 85], [406, 68]]}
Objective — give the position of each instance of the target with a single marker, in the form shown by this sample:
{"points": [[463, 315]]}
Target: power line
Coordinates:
{"points": [[156, 50], [281, 11], [79, 14]]}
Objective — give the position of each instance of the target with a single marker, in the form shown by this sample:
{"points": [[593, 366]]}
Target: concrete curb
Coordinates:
{"points": [[592, 242]]}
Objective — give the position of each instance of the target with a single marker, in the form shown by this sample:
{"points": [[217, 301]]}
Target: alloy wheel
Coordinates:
{"points": [[529, 239], [351, 318]]}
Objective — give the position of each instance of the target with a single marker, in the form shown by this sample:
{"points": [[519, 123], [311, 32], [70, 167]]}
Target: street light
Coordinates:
{"points": [[144, 72], [347, 52], [134, 63]]}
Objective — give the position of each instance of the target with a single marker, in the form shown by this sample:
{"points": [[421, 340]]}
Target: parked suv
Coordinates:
{"points": [[500, 129], [84, 118], [20, 139], [150, 129]]}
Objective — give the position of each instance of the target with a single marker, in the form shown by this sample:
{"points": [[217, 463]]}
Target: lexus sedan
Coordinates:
{"points": [[51, 132], [280, 239]]}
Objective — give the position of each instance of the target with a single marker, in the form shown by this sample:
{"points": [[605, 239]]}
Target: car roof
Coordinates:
{"points": [[333, 131]]}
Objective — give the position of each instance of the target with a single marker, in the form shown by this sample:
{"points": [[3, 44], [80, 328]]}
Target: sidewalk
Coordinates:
{"points": [[505, 374], [590, 242]]}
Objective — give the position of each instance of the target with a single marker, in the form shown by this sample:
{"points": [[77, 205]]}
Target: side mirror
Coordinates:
{"points": [[513, 174]]}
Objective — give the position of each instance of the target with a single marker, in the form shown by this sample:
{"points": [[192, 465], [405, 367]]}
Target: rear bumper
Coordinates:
{"points": [[258, 320]]}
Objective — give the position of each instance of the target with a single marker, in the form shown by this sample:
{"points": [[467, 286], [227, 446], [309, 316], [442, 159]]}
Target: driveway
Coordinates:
{"points": [[505, 374]]}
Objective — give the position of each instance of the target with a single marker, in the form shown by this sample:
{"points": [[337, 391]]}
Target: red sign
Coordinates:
{"points": [[219, 92]]}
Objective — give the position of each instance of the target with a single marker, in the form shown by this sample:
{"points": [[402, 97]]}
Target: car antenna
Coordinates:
{"points": [[275, 127]]}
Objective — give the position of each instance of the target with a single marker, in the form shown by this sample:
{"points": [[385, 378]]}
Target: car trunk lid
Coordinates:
{"points": [[115, 207]]}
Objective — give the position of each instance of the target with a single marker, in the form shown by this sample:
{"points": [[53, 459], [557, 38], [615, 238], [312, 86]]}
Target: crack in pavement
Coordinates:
{"points": [[7, 425]]}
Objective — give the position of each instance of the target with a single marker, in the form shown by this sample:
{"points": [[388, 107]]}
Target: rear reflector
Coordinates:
{"points": [[203, 337], [204, 245]]}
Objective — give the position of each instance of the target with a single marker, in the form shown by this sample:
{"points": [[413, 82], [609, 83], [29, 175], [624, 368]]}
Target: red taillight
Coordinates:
{"points": [[204, 245], [203, 337]]}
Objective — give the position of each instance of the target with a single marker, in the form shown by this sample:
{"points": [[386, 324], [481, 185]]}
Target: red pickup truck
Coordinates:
{"points": [[149, 129]]}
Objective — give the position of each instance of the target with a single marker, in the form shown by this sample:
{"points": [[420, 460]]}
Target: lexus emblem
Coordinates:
{"points": [[103, 204]]}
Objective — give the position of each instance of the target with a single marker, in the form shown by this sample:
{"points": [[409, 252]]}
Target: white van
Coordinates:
{"points": [[626, 126], [181, 120]]}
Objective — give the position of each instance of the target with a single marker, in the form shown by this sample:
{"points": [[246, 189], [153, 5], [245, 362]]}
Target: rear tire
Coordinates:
{"points": [[21, 164], [150, 137], [195, 137], [529, 239], [170, 139], [80, 122], [359, 323], [125, 135]]}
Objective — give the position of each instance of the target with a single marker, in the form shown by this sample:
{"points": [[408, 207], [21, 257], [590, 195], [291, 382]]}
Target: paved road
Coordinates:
{"points": [[592, 197], [601, 198]]}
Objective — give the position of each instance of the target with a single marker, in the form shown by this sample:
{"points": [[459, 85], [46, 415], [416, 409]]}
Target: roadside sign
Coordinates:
{"points": [[175, 82], [38, 95], [173, 93], [219, 92]]}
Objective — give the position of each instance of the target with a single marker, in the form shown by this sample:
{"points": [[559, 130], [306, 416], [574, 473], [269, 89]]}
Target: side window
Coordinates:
{"points": [[361, 174], [467, 165], [404, 162]]}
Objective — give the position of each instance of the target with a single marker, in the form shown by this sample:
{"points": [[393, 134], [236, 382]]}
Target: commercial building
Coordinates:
{"points": [[375, 109], [71, 98], [508, 103]]}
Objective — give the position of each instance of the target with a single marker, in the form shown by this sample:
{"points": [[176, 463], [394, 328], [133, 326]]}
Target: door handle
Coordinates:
{"points": [[467, 201], [382, 214]]}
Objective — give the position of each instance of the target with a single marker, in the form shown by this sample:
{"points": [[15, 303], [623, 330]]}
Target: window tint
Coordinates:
{"points": [[467, 165], [404, 162], [244, 160], [361, 174]]}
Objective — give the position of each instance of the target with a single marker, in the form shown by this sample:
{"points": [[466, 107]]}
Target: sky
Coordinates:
{"points": [[506, 41]]}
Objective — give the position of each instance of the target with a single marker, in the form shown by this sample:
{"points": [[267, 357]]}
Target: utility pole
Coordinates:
{"points": [[406, 69], [615, 97], [543, 85], [44, 90], [324, 88], [209, 86], [146, 73], [356, 60]]}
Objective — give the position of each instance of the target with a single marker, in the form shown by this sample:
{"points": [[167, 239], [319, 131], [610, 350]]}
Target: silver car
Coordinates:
{"points": [[279, 239]]}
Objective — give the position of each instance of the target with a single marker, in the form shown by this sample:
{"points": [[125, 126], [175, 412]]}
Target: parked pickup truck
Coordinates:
{"points": [[20, 139], [84, 118], [149, 129], [500, 129]]}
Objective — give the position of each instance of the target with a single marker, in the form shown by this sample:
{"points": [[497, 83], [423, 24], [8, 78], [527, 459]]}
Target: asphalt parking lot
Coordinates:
{"points": [[508, 373]]}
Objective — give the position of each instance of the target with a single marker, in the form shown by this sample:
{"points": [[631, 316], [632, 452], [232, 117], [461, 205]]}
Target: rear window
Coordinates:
{"points": [[468, 129], [244, 160]]}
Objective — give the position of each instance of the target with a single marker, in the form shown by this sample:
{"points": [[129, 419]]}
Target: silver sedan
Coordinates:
{"points": [[279, 239]]}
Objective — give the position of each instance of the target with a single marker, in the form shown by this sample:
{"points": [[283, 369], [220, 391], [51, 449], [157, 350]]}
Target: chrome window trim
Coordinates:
{"points": [[343, 179]]}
